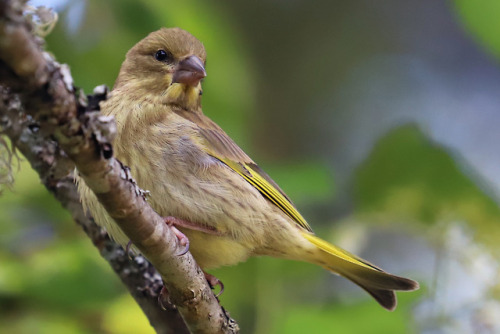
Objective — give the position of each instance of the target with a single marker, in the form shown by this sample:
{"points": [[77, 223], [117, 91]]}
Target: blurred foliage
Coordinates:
{"points": [[480, 17], [409, 178], [306, 182], [51, 277]]}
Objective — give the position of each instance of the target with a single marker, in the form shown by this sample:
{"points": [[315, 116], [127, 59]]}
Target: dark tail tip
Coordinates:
{"points": [[382, 287], [405, 284], [386, 298], [385, 295]]}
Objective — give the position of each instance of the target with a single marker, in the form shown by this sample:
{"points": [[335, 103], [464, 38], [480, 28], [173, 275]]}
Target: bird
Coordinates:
{"points": [[214, 196]]}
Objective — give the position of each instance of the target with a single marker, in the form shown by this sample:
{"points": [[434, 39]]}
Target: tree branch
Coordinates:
{"points": [[36, 85], [55, 171]]}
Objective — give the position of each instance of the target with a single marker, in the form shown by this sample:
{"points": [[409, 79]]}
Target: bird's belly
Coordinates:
{"points": [[213, 204], [212, 251], [191, 185], [240, 232]]}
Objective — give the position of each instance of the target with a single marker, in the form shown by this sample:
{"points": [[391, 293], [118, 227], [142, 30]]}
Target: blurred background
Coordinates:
{"points": [[379, 119]]}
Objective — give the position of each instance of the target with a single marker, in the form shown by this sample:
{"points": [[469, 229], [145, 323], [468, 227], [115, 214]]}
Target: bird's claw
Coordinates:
{"points": [[164, 300], [183, 240], [127, 249], [213, 282], [185, 250]]}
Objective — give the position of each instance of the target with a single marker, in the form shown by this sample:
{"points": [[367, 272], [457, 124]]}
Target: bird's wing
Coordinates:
{"points": [[219, 145]]}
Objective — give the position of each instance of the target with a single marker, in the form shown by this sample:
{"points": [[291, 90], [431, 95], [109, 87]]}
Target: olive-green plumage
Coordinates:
{"points": [[195, 172]]}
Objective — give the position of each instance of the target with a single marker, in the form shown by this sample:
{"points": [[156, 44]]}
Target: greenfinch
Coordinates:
{"points": [[216, 195]]}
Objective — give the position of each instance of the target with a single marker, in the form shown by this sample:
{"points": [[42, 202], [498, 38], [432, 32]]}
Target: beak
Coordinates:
{"points": [[189, 71]]}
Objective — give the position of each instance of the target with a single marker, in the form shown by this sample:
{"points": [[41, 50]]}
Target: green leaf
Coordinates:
{"points": [[407, 177], [480, 18]]}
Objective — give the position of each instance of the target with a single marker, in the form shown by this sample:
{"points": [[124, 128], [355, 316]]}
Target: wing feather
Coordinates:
{"points": [[219, 145]]}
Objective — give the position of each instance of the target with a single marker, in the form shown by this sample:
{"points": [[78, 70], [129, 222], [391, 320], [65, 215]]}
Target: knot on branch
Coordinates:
{"points": [[89, 126], [102, 130]]}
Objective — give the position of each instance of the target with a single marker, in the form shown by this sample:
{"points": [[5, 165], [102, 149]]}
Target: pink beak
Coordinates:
{"points": [[190, 71]]}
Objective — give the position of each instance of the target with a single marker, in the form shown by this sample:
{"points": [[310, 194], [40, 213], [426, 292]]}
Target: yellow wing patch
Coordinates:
{"points": [[269, 191], [219, 145]]}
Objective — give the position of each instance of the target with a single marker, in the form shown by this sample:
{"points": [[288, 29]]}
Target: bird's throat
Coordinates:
{"points": [[185, 96]]}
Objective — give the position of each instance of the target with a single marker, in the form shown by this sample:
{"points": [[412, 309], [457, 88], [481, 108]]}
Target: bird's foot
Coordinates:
{"points": [[213, 282], [172, 222], [127, 249], [175, 222], [164, 300]]}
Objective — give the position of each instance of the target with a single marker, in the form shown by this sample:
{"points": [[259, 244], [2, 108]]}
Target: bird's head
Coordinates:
{"points": [[166, 66]]}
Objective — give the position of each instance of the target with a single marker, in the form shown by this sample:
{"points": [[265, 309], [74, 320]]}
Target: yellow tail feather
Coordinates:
{"points": [[375, 281]]}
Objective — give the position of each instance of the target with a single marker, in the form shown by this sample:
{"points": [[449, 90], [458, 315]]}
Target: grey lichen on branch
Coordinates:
{"points": [[44, 89], [55, 171]]}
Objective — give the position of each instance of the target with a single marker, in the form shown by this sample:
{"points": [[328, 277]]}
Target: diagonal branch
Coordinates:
{"points": [[55, 171], [37, 85]]}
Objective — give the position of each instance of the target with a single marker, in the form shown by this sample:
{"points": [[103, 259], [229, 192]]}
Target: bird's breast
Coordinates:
{"points": [[166, 158]]}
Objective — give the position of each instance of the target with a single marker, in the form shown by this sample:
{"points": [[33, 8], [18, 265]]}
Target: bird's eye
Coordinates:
{"points": [[162, 55]]}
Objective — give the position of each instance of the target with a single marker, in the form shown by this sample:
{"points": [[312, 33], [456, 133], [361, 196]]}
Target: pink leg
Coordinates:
{"points": [[183, 240], [175, 222], [190, 225]]}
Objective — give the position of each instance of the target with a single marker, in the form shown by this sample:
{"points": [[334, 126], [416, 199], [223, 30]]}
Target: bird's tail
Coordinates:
{"points": [[375, 281]]}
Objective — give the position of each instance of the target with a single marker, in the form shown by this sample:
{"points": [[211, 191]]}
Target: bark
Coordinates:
{"points": [[57, 128]]}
